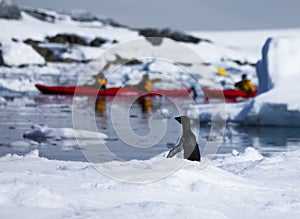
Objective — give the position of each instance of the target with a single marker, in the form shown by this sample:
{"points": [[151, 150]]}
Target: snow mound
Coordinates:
{"points": [[44, 132], [266, 189], [18, 53]]}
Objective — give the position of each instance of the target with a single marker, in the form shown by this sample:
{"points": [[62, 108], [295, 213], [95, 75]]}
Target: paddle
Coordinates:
{"points": [[221, 71], [224, 73], [106, 67]]}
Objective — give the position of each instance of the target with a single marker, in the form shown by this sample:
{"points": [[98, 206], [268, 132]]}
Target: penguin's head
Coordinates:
{"points": [[178, 119], [182, 119]]}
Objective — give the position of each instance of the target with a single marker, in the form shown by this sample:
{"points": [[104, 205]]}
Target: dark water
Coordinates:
{"points": [[21, 112]]}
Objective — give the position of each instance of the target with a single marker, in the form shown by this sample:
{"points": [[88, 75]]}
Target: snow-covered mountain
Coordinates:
{"points": [[76, 36]]}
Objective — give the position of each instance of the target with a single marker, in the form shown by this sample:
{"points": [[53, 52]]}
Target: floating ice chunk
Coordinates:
{"points": [[251, 154], [2, 101], [44, 132], [19, 144], [235, 153], [33, 154]]}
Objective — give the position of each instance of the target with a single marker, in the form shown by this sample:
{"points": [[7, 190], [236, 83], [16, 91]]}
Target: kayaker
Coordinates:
{"points": [[101, 80], [146, 83], [245, 85]]}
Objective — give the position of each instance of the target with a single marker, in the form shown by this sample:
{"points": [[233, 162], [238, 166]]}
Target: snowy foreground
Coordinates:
{"points": [[247, 185]]}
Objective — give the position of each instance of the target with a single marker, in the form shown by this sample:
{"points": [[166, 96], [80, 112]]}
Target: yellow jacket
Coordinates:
{"points": [[102, 82], [245, 85]]}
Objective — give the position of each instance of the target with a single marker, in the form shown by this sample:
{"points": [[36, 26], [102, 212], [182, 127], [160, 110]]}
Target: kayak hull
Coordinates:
{"points": [[230, 95], [89, 91]]}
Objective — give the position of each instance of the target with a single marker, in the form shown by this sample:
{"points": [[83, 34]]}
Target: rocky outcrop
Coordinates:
{"points": [[39, 14], [174, 35], [52, 53], [75, 39], [83, 16], [86, 16], [47, 53], [8, 10], [68, 39]]}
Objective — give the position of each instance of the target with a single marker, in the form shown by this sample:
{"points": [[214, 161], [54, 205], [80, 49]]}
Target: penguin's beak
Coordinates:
{"points": [[178, 119]]}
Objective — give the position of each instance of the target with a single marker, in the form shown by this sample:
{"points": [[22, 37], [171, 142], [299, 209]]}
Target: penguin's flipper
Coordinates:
{"points": [[175, 150]]}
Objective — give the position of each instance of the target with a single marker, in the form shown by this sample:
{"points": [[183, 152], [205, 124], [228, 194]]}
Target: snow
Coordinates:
{"points": [[14, 54], [62, 133], [19, 85], [266, 187]]}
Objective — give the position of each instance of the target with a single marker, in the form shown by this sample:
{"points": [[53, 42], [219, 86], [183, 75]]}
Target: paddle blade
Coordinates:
{"points": [[221, 71], [106, 67], [156, 80]]}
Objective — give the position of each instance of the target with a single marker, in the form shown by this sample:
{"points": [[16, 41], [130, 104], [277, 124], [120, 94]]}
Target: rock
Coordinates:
{"points": [[68, 38], [174, 35], [39, 14], [244, 63], [155, 41], [48, 54], [31, 42], [9, 10], [98, 41], [1, 59]]}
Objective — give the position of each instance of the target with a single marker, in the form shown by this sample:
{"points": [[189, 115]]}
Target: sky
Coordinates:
{"points": [[187, 14]]}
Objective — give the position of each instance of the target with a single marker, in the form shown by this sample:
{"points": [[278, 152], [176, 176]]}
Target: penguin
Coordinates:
{"points": [[187, 143]]}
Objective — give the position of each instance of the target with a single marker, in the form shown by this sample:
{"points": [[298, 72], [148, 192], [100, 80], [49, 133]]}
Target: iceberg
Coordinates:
{"points": [[277, 102], [278, 73]]}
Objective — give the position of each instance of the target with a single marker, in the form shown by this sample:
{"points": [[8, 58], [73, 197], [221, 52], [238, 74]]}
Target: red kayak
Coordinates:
{"points": [[230, 95], [89, 91]]}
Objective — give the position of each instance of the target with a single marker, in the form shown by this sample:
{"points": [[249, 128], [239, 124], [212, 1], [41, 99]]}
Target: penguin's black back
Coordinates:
{"points": [[188, 140], [195, 155]]}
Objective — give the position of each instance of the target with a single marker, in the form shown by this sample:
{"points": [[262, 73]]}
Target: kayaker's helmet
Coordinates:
{"points": [[244, 76], [146, 76], [100, 75]]}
